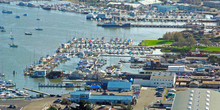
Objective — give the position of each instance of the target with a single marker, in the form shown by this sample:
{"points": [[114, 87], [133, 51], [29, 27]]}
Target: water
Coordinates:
{"points": [[58, 28]]}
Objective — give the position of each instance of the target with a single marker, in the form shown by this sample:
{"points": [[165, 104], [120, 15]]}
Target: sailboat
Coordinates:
{"points": [[38, 28], [38, 20], [12, 41]]}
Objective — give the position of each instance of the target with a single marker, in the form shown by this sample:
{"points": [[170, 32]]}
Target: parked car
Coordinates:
{"points": [[111, 94], [57, 101], [59, 95], [12, 106]]}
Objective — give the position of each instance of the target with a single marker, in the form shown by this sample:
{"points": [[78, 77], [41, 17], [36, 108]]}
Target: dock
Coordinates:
{"points": [[168, 26], [60, 85], [36, 91]]}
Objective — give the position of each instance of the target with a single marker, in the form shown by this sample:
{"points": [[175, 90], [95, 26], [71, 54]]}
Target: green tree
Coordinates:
{"points": [[190, 41], [129, 107], [181, 41], [205, 41], [177, 36], [213, 59], [52, 108]]}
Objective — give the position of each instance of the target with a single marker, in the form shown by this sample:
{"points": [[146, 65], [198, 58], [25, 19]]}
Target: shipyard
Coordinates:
{"points": [[109, 55]]}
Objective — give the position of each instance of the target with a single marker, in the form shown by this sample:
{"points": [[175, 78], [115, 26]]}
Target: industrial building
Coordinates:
{"points": [[76, 96], [167, 79], [197, 99]]}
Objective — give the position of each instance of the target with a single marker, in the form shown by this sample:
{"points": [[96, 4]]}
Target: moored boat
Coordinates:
{"points": [[28, 33]]}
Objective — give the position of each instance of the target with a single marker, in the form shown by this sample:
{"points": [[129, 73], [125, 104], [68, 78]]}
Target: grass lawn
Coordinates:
{"points": [[155, 42], [201, 48], [210, 48]]}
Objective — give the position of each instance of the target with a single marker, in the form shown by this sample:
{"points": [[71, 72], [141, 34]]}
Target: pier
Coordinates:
{"points": [[36, 91], [169, 26], [60, 85]]}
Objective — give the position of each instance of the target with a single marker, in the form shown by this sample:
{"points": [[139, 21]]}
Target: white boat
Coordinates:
{"points": [[28, 33]]}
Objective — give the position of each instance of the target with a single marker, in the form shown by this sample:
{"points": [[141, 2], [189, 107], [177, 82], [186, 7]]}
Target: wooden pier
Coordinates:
{"points": [[59, 86], [117, 18], [168, 26], [32, 90]]}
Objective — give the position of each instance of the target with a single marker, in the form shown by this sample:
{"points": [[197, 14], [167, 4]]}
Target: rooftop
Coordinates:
{"points": [[78, 92], [110, 97], [197, 99], [119, 84], [210, 82]]}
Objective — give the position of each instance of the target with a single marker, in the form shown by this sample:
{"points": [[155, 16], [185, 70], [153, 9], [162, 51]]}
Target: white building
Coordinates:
{"points": [[182, 69], [167, 79]]}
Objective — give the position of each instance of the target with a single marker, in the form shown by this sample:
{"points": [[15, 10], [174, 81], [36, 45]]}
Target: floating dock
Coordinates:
{"points": [[60, 85], [36, 91]]}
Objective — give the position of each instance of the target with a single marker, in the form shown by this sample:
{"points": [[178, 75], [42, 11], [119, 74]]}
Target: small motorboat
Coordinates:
{"points": [[28, 33], [3, 30], [25, 14], [17, 16], [2, 75], [39, 29], [13, 45]]}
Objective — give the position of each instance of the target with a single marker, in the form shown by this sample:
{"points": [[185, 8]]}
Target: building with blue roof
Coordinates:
{"points": [[76, 96], [116, 86]]}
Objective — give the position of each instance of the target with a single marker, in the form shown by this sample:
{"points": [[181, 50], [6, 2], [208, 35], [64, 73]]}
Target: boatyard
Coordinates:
{"points": [[102, 55]]}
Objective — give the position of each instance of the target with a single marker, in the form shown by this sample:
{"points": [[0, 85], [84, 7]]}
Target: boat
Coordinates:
{"points": [[1, 27], [90, 16], [7, 11], [25, 14], [39, 29], [21, 4], [28, 33], [12, 41], [2, 75], [3, 30], [38, 19], [17, 16], [47, 8], [30, 5], [115, 24]]}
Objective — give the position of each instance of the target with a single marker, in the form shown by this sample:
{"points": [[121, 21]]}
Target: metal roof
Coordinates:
{"points": [[197, 99], [110, 97], [126, 85]]}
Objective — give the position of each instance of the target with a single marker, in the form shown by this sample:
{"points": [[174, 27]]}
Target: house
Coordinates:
{"points": [[167, 79], [119, 86], [76, 96], [196, 99]]}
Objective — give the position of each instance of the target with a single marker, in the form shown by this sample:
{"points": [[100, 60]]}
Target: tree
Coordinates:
{"points": [[181, 41], [177, 36], [213, 59], [84, 105], [190, 41], [129, 107], [205, 41], [66, 102], [52, 108]]}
